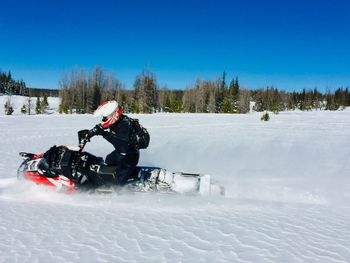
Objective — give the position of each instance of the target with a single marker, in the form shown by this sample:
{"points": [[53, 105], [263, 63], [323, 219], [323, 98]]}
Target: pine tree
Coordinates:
{"points": [[44, 104], [226, 106], [265, 117], [219, 98], [38, 106], [330, 102], [176, 102], [97, 81], [8, 106], [275, 101], [24, 109], [293, 101], [96, 96], [302, 105], [234, 96], [260, 101], [167, 104]]}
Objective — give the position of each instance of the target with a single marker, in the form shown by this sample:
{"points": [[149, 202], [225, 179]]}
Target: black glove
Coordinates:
{"points": [[97, 130], [84, 136]]}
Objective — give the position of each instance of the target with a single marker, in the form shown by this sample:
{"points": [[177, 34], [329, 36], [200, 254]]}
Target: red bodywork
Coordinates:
{"points": [[59, 183]]}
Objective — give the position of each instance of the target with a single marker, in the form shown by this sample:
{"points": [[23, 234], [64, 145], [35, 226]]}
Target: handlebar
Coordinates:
{"points": [[82, 144], [83, 139]]}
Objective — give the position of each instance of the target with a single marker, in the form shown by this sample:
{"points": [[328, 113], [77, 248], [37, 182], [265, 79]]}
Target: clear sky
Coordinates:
{"points": [[288, 44]]}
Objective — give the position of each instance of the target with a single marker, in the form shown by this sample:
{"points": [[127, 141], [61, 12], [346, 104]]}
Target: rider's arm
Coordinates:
{"points": [[119, 137], [97, 130]]}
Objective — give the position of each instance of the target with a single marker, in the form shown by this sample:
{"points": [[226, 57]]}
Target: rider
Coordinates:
{"points": [[117, 129]]}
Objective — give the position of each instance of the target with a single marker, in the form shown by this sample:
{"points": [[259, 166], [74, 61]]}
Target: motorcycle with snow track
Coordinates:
{"points": [[70, 170]]}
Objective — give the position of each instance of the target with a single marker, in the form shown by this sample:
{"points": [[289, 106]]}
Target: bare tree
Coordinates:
{"points": [[29, 102], [244, 101], [81, 90], [146, 92], [64, 84]]}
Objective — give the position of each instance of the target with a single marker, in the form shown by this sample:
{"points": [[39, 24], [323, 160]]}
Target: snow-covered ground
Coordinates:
{"points": [[287, 182], [18, 101]]}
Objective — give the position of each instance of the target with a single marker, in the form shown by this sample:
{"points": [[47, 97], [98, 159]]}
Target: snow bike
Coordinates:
{"points": [[70, 169]]}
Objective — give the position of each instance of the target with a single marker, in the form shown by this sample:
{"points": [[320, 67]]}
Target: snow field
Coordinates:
{"points": [[18, 101], [157, 228], [287, 199]]}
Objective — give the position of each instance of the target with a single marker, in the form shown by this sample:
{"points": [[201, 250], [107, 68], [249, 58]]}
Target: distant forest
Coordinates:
{"points": [[18, 87], [82, 92]]}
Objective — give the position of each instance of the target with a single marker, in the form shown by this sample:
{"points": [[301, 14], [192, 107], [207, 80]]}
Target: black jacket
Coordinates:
{"points": [[120, 135]]}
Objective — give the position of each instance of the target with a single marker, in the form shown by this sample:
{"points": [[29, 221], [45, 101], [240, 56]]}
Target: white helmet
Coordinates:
{"points": [[110, 111]]}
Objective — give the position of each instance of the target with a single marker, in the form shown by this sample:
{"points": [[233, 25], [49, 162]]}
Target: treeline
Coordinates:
{"points": [[216, 97], [82, 93], [270, 99], [10, 86], [39, 97], [41, 105]]}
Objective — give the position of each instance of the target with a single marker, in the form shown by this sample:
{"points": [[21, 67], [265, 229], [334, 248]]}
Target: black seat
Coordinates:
{"points": [[104, 169]]}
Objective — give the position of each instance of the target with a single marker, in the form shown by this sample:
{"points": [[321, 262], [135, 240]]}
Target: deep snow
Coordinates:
{"points": [[287, 181]]}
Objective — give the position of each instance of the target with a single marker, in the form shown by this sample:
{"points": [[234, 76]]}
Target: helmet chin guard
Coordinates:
{"points": [[110, 111]]}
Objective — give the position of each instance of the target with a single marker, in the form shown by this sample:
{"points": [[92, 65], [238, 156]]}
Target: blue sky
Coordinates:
{"points": [[288, 44]]}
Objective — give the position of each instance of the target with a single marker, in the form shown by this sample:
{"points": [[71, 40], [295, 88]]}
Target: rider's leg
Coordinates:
{"points": [[125, 165]]}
